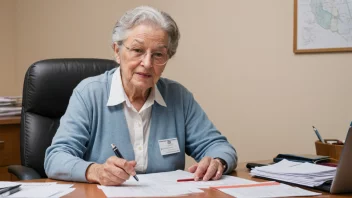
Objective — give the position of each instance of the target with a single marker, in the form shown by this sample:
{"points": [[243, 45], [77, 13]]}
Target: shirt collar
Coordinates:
{"points": [[118, 94]]}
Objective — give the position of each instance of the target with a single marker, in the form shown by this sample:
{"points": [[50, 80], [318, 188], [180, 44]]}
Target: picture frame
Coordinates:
{"points": [[322, 26]]}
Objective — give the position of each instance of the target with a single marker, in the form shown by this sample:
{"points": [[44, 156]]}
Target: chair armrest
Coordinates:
{"points": [[23, 172]]}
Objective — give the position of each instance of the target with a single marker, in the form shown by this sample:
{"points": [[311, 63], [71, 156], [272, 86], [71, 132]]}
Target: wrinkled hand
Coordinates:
{"points": [[113, 172], [207, 168]]}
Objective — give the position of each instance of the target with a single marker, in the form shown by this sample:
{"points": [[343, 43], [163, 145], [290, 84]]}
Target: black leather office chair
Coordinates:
{"points": [[48, 85]]}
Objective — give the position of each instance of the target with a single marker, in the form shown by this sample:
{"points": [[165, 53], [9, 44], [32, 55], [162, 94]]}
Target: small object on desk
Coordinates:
{"points": [[339, 143], [118, 154], [302, 158], [334, 141], [185, 180], [318, 135], [269, 183], [332, 150], [331, 164], [250, 166], [4, 192]]}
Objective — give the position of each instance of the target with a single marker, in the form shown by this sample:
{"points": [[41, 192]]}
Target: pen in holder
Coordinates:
{"points": [[332, 150]]}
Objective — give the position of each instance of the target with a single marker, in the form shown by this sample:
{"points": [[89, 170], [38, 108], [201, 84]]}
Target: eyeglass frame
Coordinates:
{"points": [[144, 54]]}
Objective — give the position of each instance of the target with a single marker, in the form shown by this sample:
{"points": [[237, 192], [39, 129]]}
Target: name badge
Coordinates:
{"points": [[169, 146]]}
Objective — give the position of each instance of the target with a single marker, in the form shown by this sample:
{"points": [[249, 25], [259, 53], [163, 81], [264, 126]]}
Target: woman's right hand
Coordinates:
{"points": [[113, 172]]}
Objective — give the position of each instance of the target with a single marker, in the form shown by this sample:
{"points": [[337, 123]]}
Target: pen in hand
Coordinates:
{"points": [[318, 135], [118, 154]]}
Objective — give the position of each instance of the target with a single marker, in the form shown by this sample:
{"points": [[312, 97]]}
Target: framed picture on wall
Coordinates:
{"points": [[322, 26]]}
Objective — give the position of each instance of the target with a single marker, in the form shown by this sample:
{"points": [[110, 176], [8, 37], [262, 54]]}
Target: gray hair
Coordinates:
{"points": [[149, 15]]}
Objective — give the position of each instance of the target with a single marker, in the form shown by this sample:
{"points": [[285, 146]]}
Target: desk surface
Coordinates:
{"points": [[10, 120], [91, 190]]}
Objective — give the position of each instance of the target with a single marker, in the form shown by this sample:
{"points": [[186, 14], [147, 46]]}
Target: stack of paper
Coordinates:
{"points": [[305, 174], [37, 189], [10, 106]]}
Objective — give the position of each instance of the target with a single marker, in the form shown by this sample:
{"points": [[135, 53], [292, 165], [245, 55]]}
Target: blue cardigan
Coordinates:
{"points": [[89, 127]]}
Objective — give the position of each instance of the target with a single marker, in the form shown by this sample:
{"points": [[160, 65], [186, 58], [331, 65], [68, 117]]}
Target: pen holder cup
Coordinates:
{"points": [[332, 150]]}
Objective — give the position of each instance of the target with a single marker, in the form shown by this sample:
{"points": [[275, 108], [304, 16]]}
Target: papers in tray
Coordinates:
{"points": [[306, 174]]}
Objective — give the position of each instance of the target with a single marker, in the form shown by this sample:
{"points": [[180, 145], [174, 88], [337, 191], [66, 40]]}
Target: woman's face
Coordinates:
{"points": [[143, 56]]}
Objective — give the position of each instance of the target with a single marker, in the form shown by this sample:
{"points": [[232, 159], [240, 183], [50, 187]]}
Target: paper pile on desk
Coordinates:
{"points": [[165, 184], [305, 174], [10, 106], [37, 189]]}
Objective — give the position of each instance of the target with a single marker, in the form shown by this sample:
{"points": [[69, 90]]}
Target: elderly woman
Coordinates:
{"points": [[152, 120]]}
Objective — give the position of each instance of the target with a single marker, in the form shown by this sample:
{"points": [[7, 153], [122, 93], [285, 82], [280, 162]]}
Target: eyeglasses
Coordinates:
{"points": [[138, 53]]}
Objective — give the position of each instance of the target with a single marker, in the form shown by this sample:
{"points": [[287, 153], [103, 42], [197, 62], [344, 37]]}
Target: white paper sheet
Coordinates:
{"points": [[170, 178], [165, 184], [63, 193], [7, 184], [41, 190], [281, 190], [147, 191]]}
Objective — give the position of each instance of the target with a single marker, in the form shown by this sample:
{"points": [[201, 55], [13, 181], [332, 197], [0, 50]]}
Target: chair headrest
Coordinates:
{"points": [[49, 83]]}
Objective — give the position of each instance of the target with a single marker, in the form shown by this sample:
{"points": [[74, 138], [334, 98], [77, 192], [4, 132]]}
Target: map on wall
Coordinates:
{"points": [[322, 26]]}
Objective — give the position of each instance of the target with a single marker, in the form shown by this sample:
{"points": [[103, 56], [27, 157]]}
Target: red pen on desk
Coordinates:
{"points": [[185, 180]]}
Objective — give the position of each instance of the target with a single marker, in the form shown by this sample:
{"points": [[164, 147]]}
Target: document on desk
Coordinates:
{"points": [[150, 185], [7, 184], [165, 184], [39, 189], [170, 178], [277, 190], [147, 191]]}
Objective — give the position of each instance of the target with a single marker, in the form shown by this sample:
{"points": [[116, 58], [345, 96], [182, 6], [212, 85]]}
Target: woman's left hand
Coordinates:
{"points": [[207, 168]]}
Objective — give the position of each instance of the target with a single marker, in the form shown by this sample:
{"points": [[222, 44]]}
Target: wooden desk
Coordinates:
{"points": [[9, 145], [91, 190]]}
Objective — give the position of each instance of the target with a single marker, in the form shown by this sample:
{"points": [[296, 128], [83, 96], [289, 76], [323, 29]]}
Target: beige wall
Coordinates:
{"points": [[7, 48], [235, 56]]}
